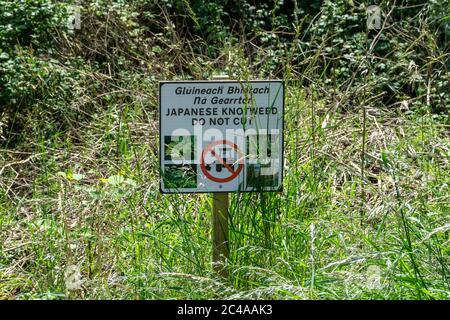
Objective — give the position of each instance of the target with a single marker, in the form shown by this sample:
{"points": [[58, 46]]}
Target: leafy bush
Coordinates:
{"points": [[30, 22], [321, 42], [26, 42]]}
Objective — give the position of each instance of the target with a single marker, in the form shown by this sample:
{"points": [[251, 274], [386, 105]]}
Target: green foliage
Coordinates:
{"points": [[26, 77], [26, 41], [30, 22]]}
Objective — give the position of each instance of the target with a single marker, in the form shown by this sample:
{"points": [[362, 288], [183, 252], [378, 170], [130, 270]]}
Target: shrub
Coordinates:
{"points": [[27, 31]]}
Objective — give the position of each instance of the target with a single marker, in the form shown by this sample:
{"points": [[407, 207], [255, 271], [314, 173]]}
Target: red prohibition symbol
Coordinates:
{"points": [[233, 172]]}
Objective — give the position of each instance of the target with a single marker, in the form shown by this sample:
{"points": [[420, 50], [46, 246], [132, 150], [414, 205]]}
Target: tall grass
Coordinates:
{"points": [[96, 205]]}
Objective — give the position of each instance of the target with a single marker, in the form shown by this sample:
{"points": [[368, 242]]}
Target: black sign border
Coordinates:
{"points": [[161, 83]]}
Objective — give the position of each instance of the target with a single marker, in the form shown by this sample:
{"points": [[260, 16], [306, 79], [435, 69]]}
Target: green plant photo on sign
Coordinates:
{"points": [[180, 176]]}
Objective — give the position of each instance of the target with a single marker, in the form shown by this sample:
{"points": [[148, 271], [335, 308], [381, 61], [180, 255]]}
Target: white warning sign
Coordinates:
{"points": [[221, 136]]}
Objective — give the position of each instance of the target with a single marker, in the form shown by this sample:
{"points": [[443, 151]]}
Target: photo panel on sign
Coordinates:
{"points": [[263, 161]]}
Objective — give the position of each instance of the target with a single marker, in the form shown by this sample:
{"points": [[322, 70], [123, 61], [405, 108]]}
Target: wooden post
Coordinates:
{"points": [[220, 226], [220, 233]]}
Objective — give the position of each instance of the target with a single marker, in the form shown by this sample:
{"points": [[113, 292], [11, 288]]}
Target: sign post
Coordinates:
{"points": [[220, 233], [221, 202], [221, 136]]}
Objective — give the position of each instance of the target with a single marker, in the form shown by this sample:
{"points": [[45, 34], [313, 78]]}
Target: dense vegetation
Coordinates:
{"points": [[365, 208]]}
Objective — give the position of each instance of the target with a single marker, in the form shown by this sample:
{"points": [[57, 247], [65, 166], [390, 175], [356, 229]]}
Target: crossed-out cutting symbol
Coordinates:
{"points": [[233, 172]]}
